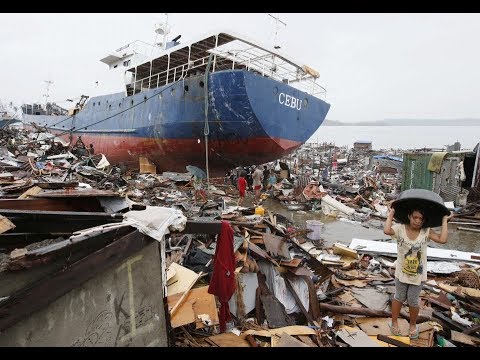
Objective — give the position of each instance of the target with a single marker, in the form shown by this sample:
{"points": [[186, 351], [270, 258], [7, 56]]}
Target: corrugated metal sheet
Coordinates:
{"points": [[445, 183], [415, 171]]}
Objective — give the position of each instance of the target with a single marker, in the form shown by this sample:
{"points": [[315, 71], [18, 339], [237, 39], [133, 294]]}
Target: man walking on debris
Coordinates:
{"points": [[197, 183], [257, 184], [266, 175]]}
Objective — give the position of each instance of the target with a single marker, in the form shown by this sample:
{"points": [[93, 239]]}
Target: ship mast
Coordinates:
{"points": [[277, 26], [163, 29]]}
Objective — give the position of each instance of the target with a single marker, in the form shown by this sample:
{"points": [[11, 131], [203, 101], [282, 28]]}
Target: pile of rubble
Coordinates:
{"points": [[285, 287]]}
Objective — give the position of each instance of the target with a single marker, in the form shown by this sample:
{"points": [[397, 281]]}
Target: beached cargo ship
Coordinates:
{"points": [[223, 95]]}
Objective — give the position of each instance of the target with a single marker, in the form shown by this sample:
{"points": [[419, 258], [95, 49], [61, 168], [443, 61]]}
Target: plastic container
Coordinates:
{"points": [[316, 226], [259, 210]]}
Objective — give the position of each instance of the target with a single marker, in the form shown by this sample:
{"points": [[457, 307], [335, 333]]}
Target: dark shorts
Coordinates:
{"points": [[257, 187]]}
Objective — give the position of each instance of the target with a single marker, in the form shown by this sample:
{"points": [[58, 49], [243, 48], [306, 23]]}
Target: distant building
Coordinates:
{"points": [[362, 145]]}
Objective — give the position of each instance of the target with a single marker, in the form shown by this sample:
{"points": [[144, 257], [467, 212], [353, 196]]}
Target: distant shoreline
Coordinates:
{"points": [[407, 122]]}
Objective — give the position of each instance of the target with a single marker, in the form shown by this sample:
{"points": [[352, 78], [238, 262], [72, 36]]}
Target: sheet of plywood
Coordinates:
{"points": [[290, 330], [5, 224], [379, 326], [180, 281], [285, 340], [197, 302], [355, 337], [229, 340]]}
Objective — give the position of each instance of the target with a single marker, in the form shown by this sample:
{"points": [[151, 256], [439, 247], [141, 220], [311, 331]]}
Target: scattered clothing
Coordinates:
{"points": [[436, 161]]}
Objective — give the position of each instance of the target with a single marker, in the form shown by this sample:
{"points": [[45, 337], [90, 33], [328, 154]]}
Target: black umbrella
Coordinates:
{"points": [[420, 199]]}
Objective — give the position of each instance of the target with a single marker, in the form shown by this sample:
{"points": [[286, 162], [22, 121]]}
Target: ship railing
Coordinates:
{"points": [[264, 64]]}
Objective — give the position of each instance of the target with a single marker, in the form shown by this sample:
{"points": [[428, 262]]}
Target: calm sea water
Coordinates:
{"points": [[400, 137]]}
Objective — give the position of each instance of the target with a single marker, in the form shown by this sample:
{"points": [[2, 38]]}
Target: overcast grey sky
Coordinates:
{"points": [[374, 66]]}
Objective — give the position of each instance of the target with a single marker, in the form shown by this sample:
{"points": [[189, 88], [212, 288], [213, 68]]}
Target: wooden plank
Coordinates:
{"points": [[180, 281], [285, 340], [341, 249], [5, 224], [35, 297], [391, 340], [355, 337], [185, 294], [34, 190], [464, 338], [291, 330], [228, 340], [51, 204], [198, 301]]}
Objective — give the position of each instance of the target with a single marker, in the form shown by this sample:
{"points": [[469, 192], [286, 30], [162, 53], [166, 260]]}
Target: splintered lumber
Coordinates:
{"points": [[179, 302], [5, 224], [392, 341], [341, 249], [364, 311]]}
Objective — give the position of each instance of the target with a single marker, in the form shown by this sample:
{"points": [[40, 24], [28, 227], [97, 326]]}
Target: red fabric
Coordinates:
{"points": [[242, 184], [242, 193], [222, 283]]}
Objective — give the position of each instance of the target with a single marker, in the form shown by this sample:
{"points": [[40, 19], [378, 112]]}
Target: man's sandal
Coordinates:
{"points": [[414, 334], [394, 330]]}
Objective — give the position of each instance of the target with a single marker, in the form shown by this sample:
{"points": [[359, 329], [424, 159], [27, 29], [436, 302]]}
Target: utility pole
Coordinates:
{"points": [[277, 26], [46, 94]]}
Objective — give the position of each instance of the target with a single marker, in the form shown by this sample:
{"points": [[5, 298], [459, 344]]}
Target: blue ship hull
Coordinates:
{"points": [[251, 120]]}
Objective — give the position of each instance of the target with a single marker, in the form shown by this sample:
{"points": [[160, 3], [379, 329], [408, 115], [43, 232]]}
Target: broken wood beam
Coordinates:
{"points": [[392, 341]]}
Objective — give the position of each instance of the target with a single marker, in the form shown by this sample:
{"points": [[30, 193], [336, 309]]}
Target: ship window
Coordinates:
{"points": [[305, 102], [99, 103], [131, 102], [159, 96], [119, 104], [186, 87], [202, 84], [93, 104], [109, 107], [126, 63], [275, 90], [172, 92], [144, 98]]}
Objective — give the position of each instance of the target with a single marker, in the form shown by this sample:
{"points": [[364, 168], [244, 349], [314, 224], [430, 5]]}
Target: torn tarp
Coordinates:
{"points": [[156, 221]]}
